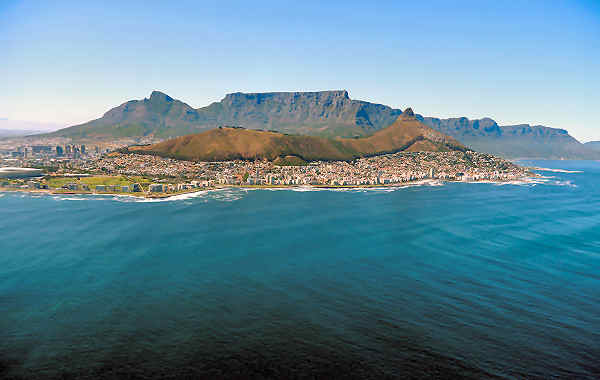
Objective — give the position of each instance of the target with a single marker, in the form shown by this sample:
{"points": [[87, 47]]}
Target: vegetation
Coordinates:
{"points": [[289, 161], [57, 182], [222, 144]]}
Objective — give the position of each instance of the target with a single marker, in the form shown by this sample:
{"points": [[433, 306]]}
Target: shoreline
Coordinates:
{"points": [[259, 187]]}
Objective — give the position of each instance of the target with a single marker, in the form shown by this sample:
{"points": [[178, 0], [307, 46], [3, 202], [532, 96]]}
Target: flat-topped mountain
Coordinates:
{"points": [[325, 113], [405, 134], [321, 113]]}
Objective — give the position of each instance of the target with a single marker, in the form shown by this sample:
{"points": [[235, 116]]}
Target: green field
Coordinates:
{"points": [[57, 182]]}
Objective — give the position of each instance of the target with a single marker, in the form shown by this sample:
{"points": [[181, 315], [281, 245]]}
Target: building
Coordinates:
{"points": [[37, 149], [33, 184], [155, 188], [100, 188], [136, 188]]}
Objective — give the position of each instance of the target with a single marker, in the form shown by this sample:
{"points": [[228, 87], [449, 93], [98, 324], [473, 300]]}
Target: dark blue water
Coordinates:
{"points": [[460, 280]]}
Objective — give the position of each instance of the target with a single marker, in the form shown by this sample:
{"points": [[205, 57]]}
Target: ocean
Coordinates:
{"points": [[449, 280]]}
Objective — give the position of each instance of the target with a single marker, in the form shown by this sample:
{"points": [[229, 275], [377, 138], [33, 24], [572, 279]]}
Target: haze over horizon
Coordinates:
{"points": [[538, 63]]}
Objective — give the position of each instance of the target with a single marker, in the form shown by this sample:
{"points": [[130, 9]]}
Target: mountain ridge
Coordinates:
{"points": [[512, 141], [318, 113]]}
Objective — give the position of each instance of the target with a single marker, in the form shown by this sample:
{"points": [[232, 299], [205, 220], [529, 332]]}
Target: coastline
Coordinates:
{"points": [[143, 195]]}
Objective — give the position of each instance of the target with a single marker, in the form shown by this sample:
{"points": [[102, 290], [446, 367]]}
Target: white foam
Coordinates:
{"points": [[178, 197], [558, 170]]}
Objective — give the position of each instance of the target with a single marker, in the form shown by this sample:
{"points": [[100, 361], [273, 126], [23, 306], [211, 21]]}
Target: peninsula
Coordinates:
{"points": [[402, 153]]}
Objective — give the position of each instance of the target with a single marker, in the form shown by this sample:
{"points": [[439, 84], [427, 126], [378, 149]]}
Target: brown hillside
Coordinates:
{"points": [[405, 134]]}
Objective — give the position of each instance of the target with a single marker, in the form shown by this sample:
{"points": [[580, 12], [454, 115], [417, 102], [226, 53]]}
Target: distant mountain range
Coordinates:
{"points": [[595, 145], [17, 128], [17, 132], [227, 143], [513, 141], [322, 113]]}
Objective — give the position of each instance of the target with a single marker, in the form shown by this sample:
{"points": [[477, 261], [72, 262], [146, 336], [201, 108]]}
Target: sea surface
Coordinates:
{"points": [[440, 280]]}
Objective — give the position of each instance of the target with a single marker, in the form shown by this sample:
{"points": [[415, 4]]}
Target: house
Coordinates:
{"points": [[33, 184]]}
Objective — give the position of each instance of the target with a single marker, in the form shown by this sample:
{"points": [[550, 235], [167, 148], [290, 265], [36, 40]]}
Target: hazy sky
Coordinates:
{"points": [[515, 61]]}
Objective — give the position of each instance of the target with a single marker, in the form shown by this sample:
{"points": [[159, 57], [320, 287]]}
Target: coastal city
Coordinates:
{"points": [[81, 169]]}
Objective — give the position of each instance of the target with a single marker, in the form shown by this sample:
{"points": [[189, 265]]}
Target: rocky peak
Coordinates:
{"points": [[160, 97], [408, 114]]}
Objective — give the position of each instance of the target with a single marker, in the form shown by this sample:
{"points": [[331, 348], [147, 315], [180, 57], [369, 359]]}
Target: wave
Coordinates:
{"points": [[558, 170], [231, 194], [70, 199]]}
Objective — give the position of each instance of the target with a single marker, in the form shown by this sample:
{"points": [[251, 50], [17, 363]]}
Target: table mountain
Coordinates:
{"points": [[324, 113], [321, 113]]}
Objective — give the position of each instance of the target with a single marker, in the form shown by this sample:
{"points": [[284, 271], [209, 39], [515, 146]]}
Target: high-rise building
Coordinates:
{"points": [[59, 150], [82, 149]]}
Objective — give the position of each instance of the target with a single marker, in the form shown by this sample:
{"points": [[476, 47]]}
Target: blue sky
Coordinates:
{"points": [[534, 62]]}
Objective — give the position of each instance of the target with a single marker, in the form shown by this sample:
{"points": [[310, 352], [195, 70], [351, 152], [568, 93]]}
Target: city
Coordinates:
{"points": [[81, 169]]}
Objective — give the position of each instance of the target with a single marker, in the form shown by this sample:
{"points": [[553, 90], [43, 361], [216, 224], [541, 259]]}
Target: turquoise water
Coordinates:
{"points": [[459, 280]]}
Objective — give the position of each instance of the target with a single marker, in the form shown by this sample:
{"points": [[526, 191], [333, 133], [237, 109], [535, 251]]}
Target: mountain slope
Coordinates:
{"points": [[512, 141], [594, 145], [322, 113], [406, 133], [158, 115], [325, 113]]}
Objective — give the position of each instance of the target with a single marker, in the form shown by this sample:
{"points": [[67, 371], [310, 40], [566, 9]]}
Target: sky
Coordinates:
{"points": [[536, 62]]}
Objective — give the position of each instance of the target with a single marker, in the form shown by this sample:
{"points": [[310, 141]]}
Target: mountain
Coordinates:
{"points": [[17, 132], [595, 145], [17, 128], [321, 113], [158, 115], [512, 141], [405, 134], [324, 113]]}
